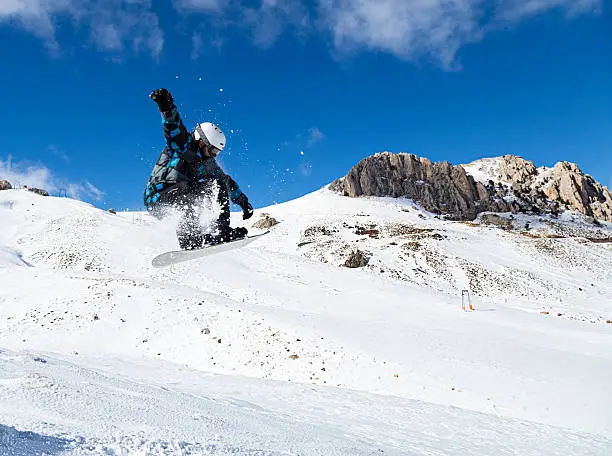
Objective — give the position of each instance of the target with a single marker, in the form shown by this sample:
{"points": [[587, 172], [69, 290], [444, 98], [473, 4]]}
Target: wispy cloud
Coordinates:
{"points": [[405, 29], [408, 29], [514, 10], [59, 153], [269, 20], [84, 190], [201, 5], [305, 169], [196, 46], [437, 28], [314, 136], [23, 173], [113, 25]]}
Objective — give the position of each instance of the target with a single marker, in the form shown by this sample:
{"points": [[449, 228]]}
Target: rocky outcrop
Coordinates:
{"points": [[439, 187], [496, 220], [38, 191], [515, 170], [502, 184], [265, 221], [5, 185], [577, 191], [356, 259], [564, 185]]}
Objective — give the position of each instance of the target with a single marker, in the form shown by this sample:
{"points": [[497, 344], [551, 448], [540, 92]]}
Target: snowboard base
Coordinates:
{"points": [[179, 256]]}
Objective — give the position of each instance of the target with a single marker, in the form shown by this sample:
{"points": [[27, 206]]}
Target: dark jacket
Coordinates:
{"points": [[182, 163]]}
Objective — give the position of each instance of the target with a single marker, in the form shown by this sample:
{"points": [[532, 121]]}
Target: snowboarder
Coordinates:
{"points": [[183, 175]]}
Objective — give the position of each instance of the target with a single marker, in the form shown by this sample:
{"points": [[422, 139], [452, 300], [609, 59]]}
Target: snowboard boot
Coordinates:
{"points": [[231, 234], [190, 242]]}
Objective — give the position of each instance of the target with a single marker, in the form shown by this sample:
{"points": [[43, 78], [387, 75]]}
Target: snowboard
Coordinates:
{"points": [[179, 256]]}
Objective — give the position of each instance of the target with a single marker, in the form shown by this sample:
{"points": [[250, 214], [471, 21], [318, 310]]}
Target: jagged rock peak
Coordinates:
{"points": [[564, 183], [500, 184], [438, 187]]}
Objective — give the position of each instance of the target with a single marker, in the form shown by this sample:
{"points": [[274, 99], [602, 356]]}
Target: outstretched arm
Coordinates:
{"points": [[177, 136]]}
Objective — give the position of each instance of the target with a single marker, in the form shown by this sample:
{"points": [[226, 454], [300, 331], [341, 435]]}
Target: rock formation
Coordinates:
{"points": [[356, 259], [439, 187], [5, 185], [564, 184], [38, 191], [501, 184], [265, 221]]}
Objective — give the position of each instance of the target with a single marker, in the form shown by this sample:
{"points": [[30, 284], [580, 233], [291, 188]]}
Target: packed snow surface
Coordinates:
{"points": [[278, 349]]}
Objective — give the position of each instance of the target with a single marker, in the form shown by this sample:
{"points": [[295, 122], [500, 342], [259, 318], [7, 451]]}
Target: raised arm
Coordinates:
{"points": [[177, 136]]}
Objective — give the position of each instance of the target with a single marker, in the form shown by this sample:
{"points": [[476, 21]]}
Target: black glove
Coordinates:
{"points": [[163, 99], [247, 209]]}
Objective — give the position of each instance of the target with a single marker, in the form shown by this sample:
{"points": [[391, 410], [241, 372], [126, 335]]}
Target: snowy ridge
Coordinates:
{"points": [[277, 349], [485, 169]]}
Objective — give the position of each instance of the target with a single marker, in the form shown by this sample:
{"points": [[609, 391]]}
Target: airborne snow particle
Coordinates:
{"points": [[301, 152], [220, 90]]}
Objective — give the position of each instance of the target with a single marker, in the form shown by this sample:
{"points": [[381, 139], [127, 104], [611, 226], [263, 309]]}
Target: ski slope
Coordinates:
{"points": [[276, 349]]}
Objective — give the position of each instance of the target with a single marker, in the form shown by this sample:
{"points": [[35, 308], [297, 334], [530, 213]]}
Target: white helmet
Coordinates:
{"points": [[211, 134]]}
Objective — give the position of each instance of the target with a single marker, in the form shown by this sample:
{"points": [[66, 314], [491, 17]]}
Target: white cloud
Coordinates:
{"points": [[35, 175], [58, 152], [305, 169], [519, 9], [438, 28], [408, 29], [196, 46], [405, 29], [314, 136], [200, 5], [113, 25], [22, 174], [269, 20], [84, 190]]}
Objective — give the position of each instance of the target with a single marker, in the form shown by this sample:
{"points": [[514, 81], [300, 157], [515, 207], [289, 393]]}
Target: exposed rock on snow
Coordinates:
{"points": [[38, 191], [265, 222], [337, 185], [356, 259], [496, 220], [5, 185]]}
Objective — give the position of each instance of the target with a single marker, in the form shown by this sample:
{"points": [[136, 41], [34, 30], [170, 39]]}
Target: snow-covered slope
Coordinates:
{"points": [[277, 349], [484, 169]]}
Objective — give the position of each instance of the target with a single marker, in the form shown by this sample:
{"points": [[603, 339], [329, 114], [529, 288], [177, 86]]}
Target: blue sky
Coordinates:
{"points": [[304, 89]]}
